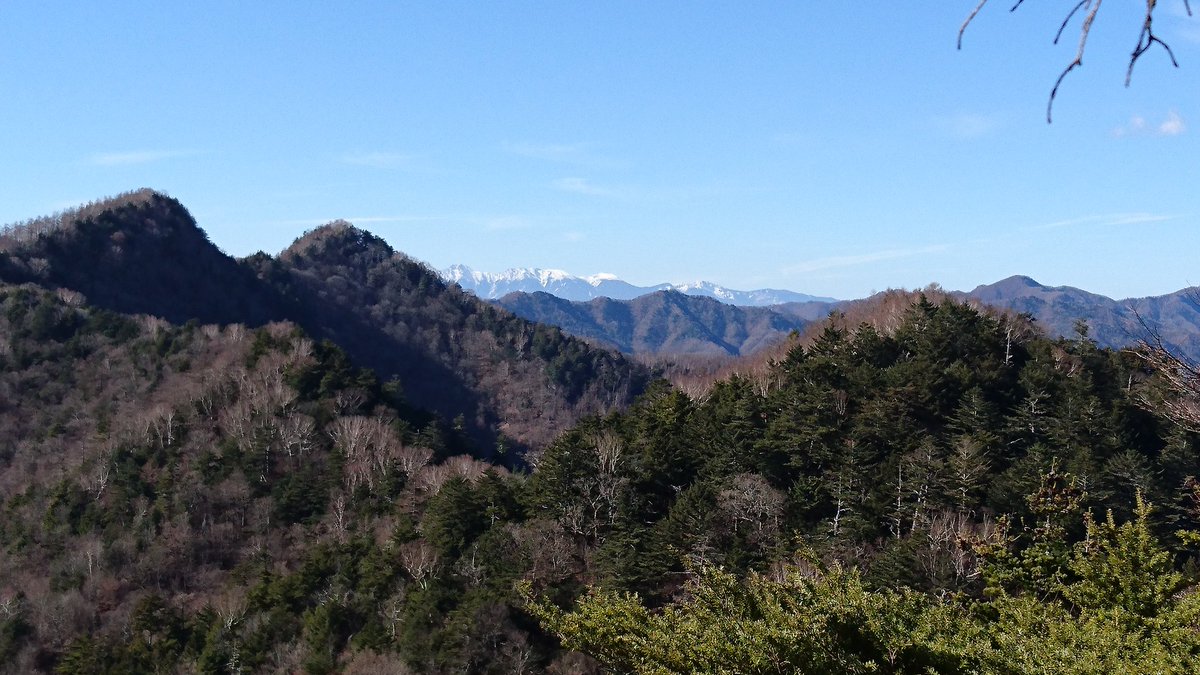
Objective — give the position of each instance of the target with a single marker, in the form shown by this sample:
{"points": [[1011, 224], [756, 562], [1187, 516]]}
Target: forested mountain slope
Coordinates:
{"points": [[524, 381], [180, 496], [867, 438], [949, 452], [511, 381], [218, 499]]}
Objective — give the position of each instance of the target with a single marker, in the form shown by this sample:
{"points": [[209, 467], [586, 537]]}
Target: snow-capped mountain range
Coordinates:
{"points": [[564, 285]]}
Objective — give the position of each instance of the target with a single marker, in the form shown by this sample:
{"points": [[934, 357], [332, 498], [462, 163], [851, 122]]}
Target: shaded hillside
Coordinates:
{"points": [[215, 499], [517, 378], [140, 252], [500, 376], [666, 322], [1112, 323]]}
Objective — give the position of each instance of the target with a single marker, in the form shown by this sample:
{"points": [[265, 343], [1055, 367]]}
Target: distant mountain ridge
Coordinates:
{"points": [[567, 286], [1175, 317], [663, 323], [669, 323]]}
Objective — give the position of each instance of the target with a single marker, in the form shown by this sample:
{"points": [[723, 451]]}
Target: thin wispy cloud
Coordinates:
{"points": [[553, 152], [1107, 220], [578, 154], [379, 160], [834, 262], [1172, 124], [583, 187], [506, 223], [968, 126], [135, 157]]}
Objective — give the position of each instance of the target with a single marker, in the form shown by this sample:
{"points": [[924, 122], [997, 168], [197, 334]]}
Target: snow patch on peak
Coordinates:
{"points": [[597, 279], [460, 273], [547, 276], [543, 276]]}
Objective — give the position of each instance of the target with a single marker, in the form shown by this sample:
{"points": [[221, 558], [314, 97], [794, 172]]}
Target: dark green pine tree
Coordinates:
{"points": [[455, 517], [666, 451]]}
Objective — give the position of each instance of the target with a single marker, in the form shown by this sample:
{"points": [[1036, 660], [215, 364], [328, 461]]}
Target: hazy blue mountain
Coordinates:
{"points": [[1112, 323], [651, 324], [662, 323]]}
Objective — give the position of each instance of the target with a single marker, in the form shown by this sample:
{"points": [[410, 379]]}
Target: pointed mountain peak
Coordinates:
{"points": [[1015, 286], [109, 216], [338, 238], [1019, 280], [138, 253]]}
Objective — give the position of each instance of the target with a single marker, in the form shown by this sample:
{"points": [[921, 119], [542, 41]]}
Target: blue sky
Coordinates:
{"points": [[829, 148]]}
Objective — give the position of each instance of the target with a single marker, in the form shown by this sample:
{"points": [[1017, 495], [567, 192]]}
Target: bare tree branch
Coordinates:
{"points": [[1147, 39], [962, 29], [1181, 376], [1063, 27], [1084, 30]]}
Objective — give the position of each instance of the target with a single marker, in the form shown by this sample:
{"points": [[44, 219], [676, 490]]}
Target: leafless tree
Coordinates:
{"points": [[339, 516], [948, 552], [410, 459], [749, 499], [297, 435], [392, 611], [420, 561], [968, 465], [1181, 399], [230, 606], [369, 445], [96, 480], [470, 568], [1088, 9], [550, 550]]}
